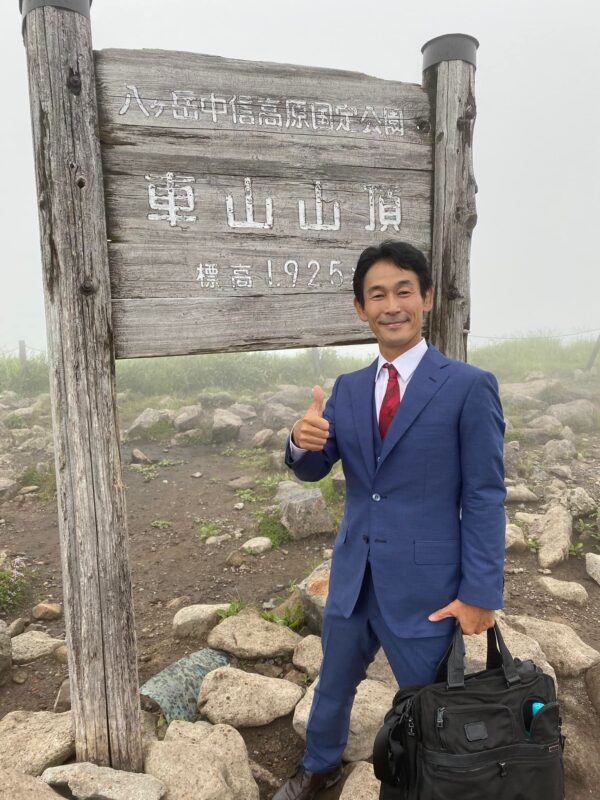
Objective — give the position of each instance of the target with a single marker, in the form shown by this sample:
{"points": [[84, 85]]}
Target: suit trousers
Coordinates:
{"points": [[349, 646]]}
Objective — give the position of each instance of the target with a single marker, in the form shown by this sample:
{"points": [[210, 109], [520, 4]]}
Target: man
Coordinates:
{"points": [[421, 544]]}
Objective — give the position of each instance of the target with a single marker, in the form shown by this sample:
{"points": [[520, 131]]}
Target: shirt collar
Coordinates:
{"points": [[406, 363]]}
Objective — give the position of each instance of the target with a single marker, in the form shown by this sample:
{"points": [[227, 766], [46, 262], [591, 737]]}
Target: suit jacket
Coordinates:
{"points": [[426, 505]]}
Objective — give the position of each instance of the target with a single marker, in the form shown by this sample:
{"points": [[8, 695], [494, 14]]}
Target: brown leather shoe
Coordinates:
{"points": [[305, 785]]}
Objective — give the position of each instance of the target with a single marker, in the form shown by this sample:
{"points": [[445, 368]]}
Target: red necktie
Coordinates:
{"points": [[391, 400]]}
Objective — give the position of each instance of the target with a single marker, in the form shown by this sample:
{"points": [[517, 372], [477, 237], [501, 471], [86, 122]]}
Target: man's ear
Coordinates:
{"points": [[359, 310], [428, 302]]}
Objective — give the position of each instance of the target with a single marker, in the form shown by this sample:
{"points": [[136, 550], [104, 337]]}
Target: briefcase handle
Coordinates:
{"points": [[451, 668]]}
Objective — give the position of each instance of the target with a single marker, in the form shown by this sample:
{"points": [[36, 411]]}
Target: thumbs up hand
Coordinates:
{"points": [[311, 431]]}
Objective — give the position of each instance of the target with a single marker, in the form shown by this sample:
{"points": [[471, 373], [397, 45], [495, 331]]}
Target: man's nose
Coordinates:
{"points": [[393, 304]]}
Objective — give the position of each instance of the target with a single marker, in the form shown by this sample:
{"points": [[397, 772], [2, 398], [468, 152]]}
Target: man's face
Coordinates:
{"points": [[394, 307]]}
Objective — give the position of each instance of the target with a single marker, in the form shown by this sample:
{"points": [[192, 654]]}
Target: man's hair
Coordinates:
{"points": [[402, 254]]}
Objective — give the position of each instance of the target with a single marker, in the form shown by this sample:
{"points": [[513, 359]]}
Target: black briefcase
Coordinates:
{"points": [[491, 735]]}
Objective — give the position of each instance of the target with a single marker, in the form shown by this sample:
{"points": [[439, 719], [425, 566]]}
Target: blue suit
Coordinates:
{"points": [[423, 524]]}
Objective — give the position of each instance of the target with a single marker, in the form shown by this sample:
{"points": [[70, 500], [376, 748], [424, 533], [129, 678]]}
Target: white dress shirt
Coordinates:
{"points": [[406, 364]]}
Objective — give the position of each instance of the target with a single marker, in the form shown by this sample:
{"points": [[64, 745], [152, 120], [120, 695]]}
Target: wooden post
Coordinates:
{"points": [[91, 505], [23, 355], [449, 78]]}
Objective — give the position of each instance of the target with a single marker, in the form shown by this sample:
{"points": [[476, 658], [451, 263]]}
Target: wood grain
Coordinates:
{"points": [[91, 503]]}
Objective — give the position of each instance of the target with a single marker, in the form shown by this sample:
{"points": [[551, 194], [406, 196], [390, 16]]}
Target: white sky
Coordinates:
{"points": [[535, 264]]}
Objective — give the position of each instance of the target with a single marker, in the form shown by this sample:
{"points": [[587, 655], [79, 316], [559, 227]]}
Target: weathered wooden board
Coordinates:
{"points": [[91, 500], [149, 327], [247, 190]]}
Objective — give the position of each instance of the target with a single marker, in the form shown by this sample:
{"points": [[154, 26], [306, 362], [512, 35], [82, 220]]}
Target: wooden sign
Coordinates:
{"points": [[240, 194]]}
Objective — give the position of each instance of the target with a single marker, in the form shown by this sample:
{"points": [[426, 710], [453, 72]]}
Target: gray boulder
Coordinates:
{"points": [[247, 635], [313, 595], [215, 767], [32, 741], [520, 494], [90, 782], [515, 541], [243, 411], [31, 645], [361, 784], [195, 622], [569, 591], [17, 786], [577, 414], [226, 426], [555, 532], [148, 419], [542, 429], [5, 655], [305, 513], [188, 418], [592, 566], [244, 699], [579, 502], [568, 654], [559, 450], [308, 655], [277, 415]]}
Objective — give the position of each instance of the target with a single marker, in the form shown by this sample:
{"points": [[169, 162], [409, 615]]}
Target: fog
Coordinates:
{"points": [[534, 265]]}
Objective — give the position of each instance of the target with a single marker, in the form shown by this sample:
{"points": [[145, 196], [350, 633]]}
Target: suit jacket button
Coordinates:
{"points": [[376, 497], [366, 539]]}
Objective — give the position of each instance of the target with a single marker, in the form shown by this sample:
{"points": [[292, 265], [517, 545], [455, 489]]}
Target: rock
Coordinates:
{"points": [[17, 626], [579, 502], [61, 654], [276, 415], [263, 438], [222, 537], [592, 566], [559, 450], [555, 532], [47, 611], [247, 635], [308, 655], [519, 644], [216, 399], [195, 622], [568, 654], [592, 686], [379, 670], [257, 545], [19, 677], [243, 411], [243, 699], [8, 488], [90, 782], [305, 513], [28, 490], [190, 731], [16, 786], [361, 783], [338, 483], [525, 395], [243, 482], [148, 419], [556, 491], [31, 645], [187, 418], [569, 591], [290, 395], [5, 656], [63, 698], [263, 776], [542, 429], [520, 494], [577, 414], [214, 768], [226, 426], [235, 559], [512, 459], [178, 602], [286, 489], [373, 699], [32, 741], [313, 593], [515, 539], [561, 471], [139, 457]]}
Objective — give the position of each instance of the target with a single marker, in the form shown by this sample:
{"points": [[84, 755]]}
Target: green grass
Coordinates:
{"points": [[576, 550], [148, 471], [255, 457], [209, 528], [272, 481], [234, 608], [247, 495], [161, 524], [269, 524], [31, 476], [534, 544], [13, 584], [292, 618]]}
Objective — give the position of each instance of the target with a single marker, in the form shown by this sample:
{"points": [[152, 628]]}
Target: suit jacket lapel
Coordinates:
{"points": [[362, 409], [427, 379]]}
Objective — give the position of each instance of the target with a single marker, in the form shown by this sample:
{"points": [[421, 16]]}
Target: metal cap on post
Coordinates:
{"points": [[450, 47], [80, 6]]}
